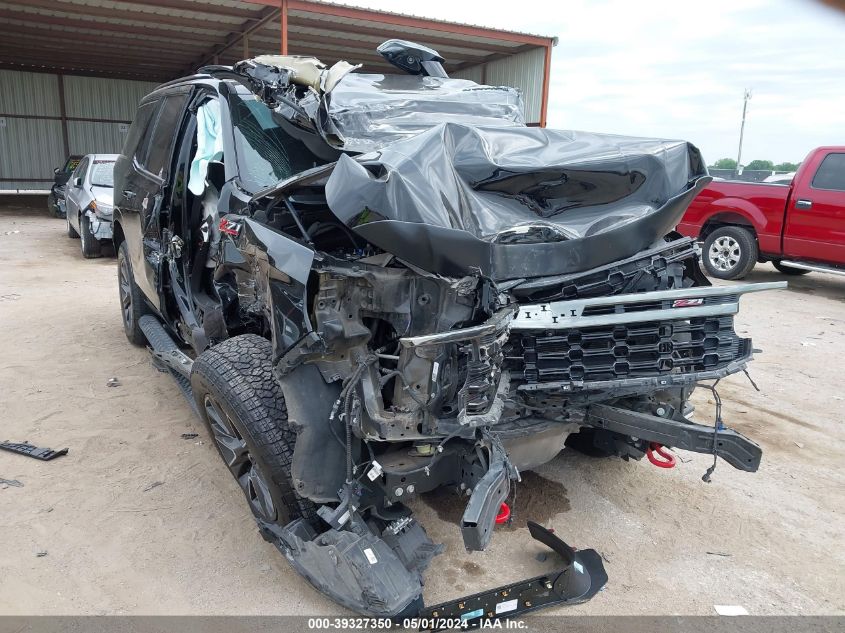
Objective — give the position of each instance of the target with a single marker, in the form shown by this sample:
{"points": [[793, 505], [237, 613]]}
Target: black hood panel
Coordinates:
{"points": [[515, 202]]}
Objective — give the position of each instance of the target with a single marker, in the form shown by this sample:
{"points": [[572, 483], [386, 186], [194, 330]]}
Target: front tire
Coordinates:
{"points": [[132, 304], [242, 404], [730, 252], [788, 270], [90, 244]]}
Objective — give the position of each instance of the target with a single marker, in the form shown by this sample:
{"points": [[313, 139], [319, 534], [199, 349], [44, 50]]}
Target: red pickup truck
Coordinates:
{"points": [[799, 227]]}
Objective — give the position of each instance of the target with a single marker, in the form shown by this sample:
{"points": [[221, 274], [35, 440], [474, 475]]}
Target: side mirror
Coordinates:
{"points": [[77, 182], [413, 58], [57, 170]]}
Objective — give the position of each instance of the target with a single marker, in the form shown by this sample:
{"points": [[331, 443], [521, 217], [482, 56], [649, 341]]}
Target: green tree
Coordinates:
{"points": [[766, 165], [786, 167], [724, 163]]}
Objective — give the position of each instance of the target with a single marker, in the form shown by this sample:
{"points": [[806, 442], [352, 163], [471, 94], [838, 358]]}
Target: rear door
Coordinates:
{"points": [[144, 186], [815, 218]]}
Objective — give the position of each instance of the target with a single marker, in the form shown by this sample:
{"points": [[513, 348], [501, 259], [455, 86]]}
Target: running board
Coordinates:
{"points": [[816, 268], [581, 578], [167, 355]]}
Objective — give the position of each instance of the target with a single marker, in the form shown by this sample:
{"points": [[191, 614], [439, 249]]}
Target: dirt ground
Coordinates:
{"points": [[137, 520]]}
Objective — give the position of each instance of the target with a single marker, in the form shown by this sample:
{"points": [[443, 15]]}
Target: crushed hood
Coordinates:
{"points": [[516, 202], [448, 178]]}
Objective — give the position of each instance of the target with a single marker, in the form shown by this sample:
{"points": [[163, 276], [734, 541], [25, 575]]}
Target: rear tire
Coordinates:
{"points": [[242, 404], [730, 252], [90, 244], [132, 303], [787, 270]]}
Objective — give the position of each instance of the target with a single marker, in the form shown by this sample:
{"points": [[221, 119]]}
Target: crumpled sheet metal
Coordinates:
{"points": [[369, 111], [514, 202]]}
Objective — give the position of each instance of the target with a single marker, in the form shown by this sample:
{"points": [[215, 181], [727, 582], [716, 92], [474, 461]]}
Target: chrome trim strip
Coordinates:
{"points": [[559, 315], [814, 268], [497, 323]]}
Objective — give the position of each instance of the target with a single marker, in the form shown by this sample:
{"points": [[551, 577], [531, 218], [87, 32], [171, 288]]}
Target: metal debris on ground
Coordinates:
{"points": [[155, 484], [719, 553], [189, 436], [25, 448], [113, 382], [10, 482], [41, 553]]}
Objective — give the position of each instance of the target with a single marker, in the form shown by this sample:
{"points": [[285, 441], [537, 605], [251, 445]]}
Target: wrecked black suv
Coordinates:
{"points": [[371, 286]]}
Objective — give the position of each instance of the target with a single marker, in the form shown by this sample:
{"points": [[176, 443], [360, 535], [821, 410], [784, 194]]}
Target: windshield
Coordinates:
{"points": [[266, 153], [102, 173]]}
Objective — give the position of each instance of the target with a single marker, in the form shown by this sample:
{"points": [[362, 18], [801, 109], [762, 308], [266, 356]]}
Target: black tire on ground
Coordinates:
{"points": [[71, 232], [132, 303], [787, 270], [730, 252], [243, 406], [90, 244]]}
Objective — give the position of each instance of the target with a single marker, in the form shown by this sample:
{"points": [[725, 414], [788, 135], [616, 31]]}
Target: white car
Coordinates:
{"points": [[89, 202], [780, 179]]}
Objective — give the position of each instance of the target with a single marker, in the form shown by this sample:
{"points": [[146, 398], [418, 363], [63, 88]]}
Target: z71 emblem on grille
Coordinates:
{"points": [[685, 303]]}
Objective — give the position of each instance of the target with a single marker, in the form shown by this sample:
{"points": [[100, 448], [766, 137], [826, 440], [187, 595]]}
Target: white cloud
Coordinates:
{"points": [[676, 69]]}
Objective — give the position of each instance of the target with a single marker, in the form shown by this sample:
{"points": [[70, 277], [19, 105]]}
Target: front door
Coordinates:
{"points": [[815, 219]]}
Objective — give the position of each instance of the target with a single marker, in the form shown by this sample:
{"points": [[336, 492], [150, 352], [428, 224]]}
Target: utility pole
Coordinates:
{"points": [[746, 97]]}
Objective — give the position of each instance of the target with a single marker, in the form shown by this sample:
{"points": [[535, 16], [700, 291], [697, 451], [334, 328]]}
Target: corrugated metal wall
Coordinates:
{"points": [[524, 71], [31, 147]]}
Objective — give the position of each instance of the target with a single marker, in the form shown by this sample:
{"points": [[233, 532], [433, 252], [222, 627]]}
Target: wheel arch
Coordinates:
{"points": [[727, 217], [118, 237]]}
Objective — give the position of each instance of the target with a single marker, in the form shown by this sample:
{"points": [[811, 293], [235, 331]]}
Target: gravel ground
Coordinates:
{"points": [[137, 520]]}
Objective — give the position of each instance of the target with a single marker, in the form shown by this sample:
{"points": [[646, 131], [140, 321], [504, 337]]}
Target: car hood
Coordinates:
{"points": [[103, 195], [512, 202], [452, 181]]}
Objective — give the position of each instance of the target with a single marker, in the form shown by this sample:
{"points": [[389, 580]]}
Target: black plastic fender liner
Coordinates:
{"points": [[357, 568], [581, 578]]}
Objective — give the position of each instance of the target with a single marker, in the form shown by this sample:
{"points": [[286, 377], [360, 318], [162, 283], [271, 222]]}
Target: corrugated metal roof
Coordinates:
{"points": [[445, 23], [113, 37]]}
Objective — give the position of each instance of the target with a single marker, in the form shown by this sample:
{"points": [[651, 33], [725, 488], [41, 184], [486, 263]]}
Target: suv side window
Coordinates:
{"points": [[139, 131], [160, 144], [831, 173]]}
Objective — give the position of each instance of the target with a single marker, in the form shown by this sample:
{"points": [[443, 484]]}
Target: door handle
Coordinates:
{"points": [[129, 194], [803, 204]]}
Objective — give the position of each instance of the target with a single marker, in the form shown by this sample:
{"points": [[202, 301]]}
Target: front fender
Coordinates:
{"points": [[280, 267]]}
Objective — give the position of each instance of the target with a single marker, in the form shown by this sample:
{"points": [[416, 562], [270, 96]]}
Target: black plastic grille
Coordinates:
{"points": [[624, 351]]}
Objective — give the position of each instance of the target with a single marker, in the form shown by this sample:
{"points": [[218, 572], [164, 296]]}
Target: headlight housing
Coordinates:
{"points": [[100, 209]]}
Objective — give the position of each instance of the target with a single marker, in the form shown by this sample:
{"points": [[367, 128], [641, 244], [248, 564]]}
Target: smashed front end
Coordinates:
{"points": [[448, 308]]}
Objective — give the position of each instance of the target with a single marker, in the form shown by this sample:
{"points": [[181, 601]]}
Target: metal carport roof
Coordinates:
{"points": [[157, 40]]}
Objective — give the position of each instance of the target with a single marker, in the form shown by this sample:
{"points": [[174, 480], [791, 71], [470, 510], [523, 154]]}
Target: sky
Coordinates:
{"points": [[677, 69]]}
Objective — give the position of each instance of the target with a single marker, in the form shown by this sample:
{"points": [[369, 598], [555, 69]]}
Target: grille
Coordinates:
{"points": [[616, 352]]}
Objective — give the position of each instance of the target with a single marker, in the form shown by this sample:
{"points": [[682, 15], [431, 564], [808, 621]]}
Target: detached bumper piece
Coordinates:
{"points": [[581, 578], [734, 448], [24, 448]]}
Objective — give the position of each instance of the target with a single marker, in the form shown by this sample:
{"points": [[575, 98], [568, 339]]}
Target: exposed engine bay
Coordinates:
{"points": [[449, 302]]}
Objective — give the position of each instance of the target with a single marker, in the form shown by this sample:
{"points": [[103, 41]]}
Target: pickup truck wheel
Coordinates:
{"points": [[132, 304], [90, 244], [788, 270], [730, 252], [242, 404]]}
